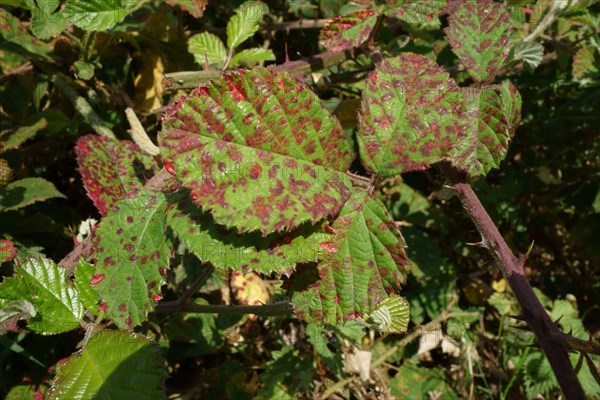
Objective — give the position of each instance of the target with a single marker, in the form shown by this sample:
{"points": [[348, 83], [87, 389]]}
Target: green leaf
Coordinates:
{"points": [[206, 47], [391, 315], [360, 267], [419, 14], [245, 23], [258, 150], [87, 295], [113, 365], [95, 15], [586, 63], [479, 34], [487, 134], [228, 249], [408, 118], [511, 106], [21, 193], [415, 382], [131, 250], [286, 376], [14, 311], [539, 378], [531, 53], [252, 56], [194, 7], [23, 133], [347, 31], [47, 19], [84, 70], [44, 284], [18, 40], [110, 169]]}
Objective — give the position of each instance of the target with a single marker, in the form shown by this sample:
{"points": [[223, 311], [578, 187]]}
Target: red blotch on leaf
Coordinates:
{"points": [[157, 297], [330, 247], [169, 167], [102, 307], [96, 279]]}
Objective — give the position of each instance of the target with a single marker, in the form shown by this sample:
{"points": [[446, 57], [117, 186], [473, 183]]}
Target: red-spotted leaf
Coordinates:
{"points": [[479, 33], [258, 151], [409, 117], [511, 105], [487, 133], [194, 7], [111, 168], [422, 14], [347, 31], [131, 249], [225, 248], [7, 250], [359, 269]]}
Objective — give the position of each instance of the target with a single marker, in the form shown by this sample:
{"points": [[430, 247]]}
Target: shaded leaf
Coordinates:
{"points": [[408, 118], [479, 34], [487, 133], [347, 31], [227, 249], [252, 56], [130, 252], [531, 53], [586, 63], [44, 285], [359, 268], [258, 150], [414, 382], [47, 19], [95, 15], [22, 134], [18, 40], [131, 369], [194, 7], [244, 24], [511, 105], [21, 193], [110, 169], [206, 47]]}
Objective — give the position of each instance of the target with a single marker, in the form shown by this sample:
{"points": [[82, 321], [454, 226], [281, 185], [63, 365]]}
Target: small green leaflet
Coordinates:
{"points": [[21, 193], [245, 23], [390, 316]]}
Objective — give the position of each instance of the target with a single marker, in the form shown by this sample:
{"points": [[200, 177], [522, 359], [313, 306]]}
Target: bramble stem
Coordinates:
{"points": [[550, 339]]}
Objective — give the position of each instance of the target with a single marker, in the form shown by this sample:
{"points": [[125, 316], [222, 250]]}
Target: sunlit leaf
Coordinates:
{"points": [[47, 19], [113, 365], [244, 24], [422, 14], [95, 15], [207, 48], [258, 150], [359, 268], [479, 33], [252, 56], [43, 283], [347, 31], [130, 252]]}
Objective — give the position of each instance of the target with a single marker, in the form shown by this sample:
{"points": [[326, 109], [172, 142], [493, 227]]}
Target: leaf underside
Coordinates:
{"points": [[479, 34], [130, 249], [367, 263], [110, 169], [258, 151]]}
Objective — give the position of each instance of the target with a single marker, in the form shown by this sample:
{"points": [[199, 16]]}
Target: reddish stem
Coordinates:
{"points": [[550, 339]]}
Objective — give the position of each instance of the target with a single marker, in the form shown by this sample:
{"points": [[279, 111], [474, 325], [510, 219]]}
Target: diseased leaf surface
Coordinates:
{"points": [[44, 285], [258, 151], [359, 268], [21, 193], [110, 169], [194, 7], [409, 115], [487, 133], [225, 248], [114, 365], [479, 34], [130, 251], [422, 14], [347, 31]]}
